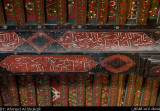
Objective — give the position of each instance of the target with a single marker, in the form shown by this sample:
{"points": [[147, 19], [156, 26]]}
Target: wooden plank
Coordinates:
{"points": [[89, 90], [2, 19], [72, 84], [39, 11], [63, 90], [9, 11], [133, 8], [30, 11], [13, 90], [113, 90], [50, 9], [43, 90], [97, 89], [61, 11], [120, 89], [23, 91], [138, 91], [31, 90], [81, 90], [81, 11], [105, 90], [72, 9], [112, 9], [55, 90], [153, 12], [19, 12], [147, 93], [102, 11], [5, 93], [122, 12], [123, 91], [143, 12], [154, 92], [130, 90], [92, 6]]}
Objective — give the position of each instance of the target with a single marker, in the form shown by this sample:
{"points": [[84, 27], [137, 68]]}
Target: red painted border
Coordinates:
{"points": [[81, 11]]}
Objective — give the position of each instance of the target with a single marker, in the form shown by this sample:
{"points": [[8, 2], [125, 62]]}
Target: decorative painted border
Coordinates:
{"points": [[80, 90], [23, 90], [105, 90], [51, 9], [2, 19], [43, 90], [122, 12], [102, 11], [143, 12], [39, 11], [13, 91], [55, 90], [112, 9], [123, 92], [154, 92], [4, 89], [133, 7], [153, 13], [120, 90], [61, 11], [89, 90], [9, 9], [113, 90], [97, 89], [81, 11], [63, 90], [30, 9], [130, 90], [147, 93], [72, 85], [19, 12], [47, 90], [72, 11], [138, 91], [92, 6], [31, 90]]}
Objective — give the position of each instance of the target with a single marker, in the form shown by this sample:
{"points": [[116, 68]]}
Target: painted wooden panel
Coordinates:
{"points": [[102, 11], [61, 11], [2, 19], [81, 11], [133, 8], [19, 12], [48, 63], [39, 11], [122, 12], [105, 41], [143, 12]]}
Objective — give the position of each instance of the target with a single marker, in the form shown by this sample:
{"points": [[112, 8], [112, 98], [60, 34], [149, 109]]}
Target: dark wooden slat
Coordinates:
{"points": [[122, 12], [61, 11], [39, 11], [144, 7], [2, 19], [102, 11], [19, 12], [81, 11]]}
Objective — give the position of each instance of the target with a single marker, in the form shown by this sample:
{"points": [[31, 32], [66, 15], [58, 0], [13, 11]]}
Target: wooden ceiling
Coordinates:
{"points": [[111, 12]]}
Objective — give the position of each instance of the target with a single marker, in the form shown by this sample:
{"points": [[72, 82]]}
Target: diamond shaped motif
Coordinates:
{"points": [[117, 63], [40, 40], [9, 41]]}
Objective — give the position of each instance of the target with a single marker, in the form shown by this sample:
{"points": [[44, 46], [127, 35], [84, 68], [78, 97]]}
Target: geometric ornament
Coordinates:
{"points": [[40, 40], [117, 63], [9, 41]]}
